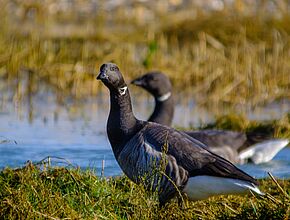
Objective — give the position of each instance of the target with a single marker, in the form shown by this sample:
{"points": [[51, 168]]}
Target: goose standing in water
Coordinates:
{"points": [[183, 163], [236, 147]]}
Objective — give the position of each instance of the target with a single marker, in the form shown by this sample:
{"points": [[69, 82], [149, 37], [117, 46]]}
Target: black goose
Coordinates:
{"points": [[237, 147], [142, 147]]}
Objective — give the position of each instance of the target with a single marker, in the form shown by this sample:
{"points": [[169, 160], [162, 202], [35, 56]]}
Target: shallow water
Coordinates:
{"points": [[77, 133]]}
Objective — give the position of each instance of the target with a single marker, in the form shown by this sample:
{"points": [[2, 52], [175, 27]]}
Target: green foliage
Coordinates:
{"points": [[54, 192], [152, 48], [60, 192]]}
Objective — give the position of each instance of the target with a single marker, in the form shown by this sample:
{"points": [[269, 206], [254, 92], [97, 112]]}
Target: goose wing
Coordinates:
{"points": [[189, 153], [219, 138]]}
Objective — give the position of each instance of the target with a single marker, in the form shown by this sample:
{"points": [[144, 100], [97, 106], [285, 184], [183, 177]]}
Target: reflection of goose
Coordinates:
{"points": [[237, 147], [163, 158]]}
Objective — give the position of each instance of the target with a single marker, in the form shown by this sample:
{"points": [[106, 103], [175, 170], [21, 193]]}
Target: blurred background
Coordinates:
{"points": [[224, 57]]}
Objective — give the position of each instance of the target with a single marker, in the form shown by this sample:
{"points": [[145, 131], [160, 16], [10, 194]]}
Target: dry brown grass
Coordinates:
{"points": [[227, 57]]}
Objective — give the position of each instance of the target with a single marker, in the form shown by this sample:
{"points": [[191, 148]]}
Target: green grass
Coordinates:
{"points": [[61, 193]]}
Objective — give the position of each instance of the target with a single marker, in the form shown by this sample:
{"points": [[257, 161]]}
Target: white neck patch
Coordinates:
{"points": [[123, 90], [164, 97]]}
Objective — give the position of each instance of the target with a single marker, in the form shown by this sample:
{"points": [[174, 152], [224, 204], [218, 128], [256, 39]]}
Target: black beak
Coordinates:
{"points": [[101, 76], [137, 82]]}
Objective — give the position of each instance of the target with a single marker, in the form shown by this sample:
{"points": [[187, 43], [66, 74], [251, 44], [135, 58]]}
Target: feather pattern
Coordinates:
{"points": [[142, 157]]}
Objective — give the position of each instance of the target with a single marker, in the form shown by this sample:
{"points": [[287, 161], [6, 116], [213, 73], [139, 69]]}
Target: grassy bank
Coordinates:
{"points": [[232, 56], [58, 193]]}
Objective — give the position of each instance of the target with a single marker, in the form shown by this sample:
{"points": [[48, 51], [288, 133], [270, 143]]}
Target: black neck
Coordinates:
{"points": [[122, 123], [163, 111]]}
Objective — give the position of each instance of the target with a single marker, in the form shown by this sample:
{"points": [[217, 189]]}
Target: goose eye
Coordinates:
{"points": [[114, 68]]}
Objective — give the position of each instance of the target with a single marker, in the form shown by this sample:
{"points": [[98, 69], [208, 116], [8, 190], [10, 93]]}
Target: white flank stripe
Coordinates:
{"points": [[203, 187], [263, 152]]}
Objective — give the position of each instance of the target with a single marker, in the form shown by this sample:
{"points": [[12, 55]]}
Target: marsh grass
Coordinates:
{"points": [[45, 192], [232, 56], [277, 128]]}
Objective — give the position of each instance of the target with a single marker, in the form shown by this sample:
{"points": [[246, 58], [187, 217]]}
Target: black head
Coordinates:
{"points": [[156, 83], [111, 76]]}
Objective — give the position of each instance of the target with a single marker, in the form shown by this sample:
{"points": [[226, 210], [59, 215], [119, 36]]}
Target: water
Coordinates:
{"points": [[78, 134]]}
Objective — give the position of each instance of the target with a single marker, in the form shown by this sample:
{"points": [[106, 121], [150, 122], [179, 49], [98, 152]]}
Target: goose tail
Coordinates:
{"points": [[263, 152]]}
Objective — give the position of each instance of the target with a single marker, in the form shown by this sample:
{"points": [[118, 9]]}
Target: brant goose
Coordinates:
{"points": [[163, 159], [237, 147]]}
